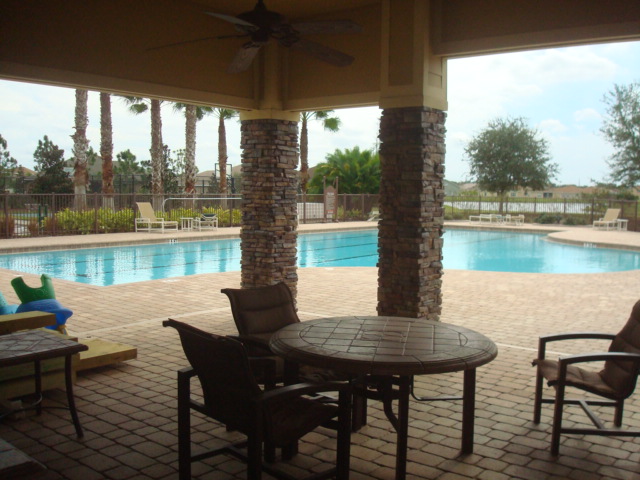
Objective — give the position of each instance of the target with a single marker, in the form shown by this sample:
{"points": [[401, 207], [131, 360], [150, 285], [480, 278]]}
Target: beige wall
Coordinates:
{"points": [[400, 56]]}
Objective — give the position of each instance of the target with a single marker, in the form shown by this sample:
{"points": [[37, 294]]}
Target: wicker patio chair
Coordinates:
{"points": [[232, 396]]}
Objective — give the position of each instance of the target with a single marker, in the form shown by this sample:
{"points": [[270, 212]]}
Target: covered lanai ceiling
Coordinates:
{"points": [[113, 45]]}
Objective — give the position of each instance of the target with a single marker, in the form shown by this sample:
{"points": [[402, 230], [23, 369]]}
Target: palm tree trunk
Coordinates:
{"points": [[190, 150], [156, 149], [222, 157], [304, 155], [106, 149], [80, 146]]}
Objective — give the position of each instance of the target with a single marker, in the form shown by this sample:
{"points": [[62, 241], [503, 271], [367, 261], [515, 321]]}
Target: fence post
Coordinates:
{"points": [[95, 212], [54, 218], [304, 207], [6, 215]]}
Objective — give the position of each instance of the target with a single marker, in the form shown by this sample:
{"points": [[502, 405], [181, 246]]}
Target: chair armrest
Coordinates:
{"points": [[186, 372], [299, 389], [252, 342], [543, 340], [599, 356], [576, 335]]}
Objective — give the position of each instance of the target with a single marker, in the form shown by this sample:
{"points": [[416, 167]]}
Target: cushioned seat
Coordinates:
{"points": [[275, 417], [615, 382]]}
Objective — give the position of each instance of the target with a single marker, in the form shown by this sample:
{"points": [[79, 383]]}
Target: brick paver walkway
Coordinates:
{"points": [[128, 410]]}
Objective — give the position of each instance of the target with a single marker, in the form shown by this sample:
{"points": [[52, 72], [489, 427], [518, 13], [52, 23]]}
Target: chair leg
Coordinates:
{"points": [[344, 437], [184, 428], [617, 421], [537, 402], [254, 457], [557, 419]]}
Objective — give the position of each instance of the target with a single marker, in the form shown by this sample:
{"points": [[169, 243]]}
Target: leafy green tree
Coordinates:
{"points": [[622, 129], [170, 176], [49, 166], [358, 171], [329, 123], [8, 164], [127, 164], [508, 155]]}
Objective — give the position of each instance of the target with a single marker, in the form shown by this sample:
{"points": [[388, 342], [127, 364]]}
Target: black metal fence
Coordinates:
{"points": [[25, 215]]}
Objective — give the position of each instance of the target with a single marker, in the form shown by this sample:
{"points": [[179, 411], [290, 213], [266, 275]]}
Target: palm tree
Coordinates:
{"points": [[222, 114], [192, 115], [138, 105], [359, 171], [106, 149], [329, 123], [80, 146]]}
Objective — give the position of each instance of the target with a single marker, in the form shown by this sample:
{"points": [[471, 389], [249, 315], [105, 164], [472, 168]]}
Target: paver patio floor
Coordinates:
{"points": [[128, 410]]}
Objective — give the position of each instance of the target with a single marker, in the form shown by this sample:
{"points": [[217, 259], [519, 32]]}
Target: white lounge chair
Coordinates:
{"points": [[517, 220], [610, 219], [148, 222], [206, 221]]}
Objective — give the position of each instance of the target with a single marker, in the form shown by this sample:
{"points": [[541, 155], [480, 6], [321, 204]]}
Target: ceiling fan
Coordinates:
{"points": [[261, 25]]}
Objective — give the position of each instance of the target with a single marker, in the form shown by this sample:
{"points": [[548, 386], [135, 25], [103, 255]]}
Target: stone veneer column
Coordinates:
{"points": [[411, 211], [269, 217]]}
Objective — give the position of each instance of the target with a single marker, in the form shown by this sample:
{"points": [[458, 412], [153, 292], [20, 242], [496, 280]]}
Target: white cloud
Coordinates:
{"points": [[558, 90], [552, 126], [587, 115]]}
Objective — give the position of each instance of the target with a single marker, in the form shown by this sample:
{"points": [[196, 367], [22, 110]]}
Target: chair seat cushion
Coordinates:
{"points": [[583, 379], [294, 418]]}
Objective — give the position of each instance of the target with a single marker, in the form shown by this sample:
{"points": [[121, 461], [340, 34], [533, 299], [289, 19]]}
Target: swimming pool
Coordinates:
{"points": [[463, 249]]}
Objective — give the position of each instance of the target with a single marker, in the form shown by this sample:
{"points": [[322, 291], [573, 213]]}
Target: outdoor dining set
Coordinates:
{"points": [[280, 378]]}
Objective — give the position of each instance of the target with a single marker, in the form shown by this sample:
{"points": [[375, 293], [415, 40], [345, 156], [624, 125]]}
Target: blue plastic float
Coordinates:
{"points": [[42, 299]]}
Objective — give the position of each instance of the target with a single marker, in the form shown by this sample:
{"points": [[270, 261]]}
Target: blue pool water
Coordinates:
{"points": [[463, 249]]}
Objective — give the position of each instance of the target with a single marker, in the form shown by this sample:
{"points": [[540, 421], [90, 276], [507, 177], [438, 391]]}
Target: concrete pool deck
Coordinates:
{"points": [[128, 410]]}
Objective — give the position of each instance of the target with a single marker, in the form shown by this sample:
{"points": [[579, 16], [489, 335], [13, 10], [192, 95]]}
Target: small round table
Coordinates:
{"points": [[396, 347], [186, 223]]}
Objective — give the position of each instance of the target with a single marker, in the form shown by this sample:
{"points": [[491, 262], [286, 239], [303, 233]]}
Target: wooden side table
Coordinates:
{"points": [[35, 346]]}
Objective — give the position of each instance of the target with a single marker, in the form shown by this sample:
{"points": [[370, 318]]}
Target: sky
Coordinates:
{"points": [[559, 93]]}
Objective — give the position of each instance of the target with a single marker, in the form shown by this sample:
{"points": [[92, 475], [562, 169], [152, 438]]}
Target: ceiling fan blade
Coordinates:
{"points": [[327, 26], [232, 19], [324, 53], [244, 57]]}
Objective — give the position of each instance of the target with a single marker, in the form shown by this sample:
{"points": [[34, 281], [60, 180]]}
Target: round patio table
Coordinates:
{"points": [[394, 347]]}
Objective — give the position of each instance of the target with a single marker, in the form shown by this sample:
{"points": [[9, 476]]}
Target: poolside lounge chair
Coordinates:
{"points": [[517, 220], [610, 219], [374, 215], [206, 221], [148, 222], [615, 382]]}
